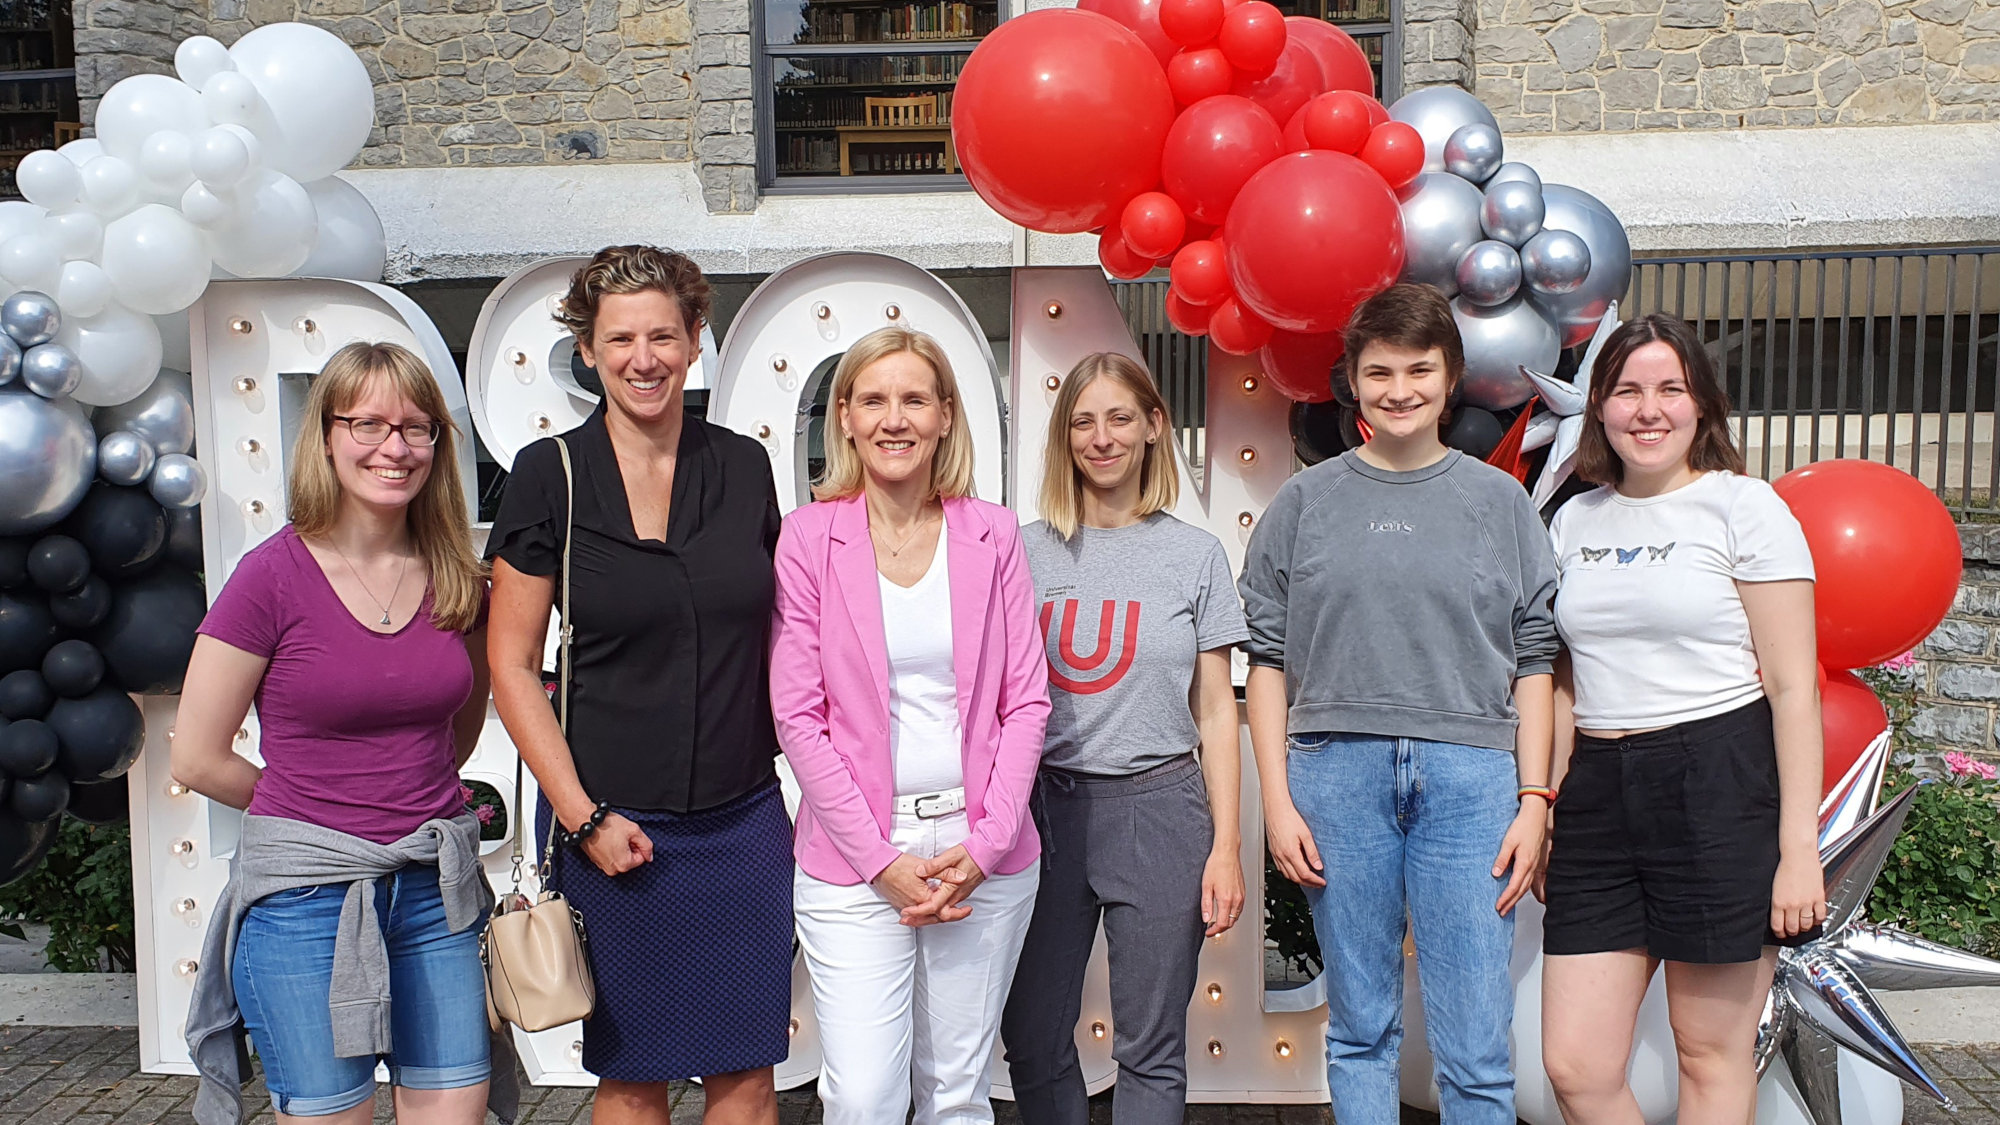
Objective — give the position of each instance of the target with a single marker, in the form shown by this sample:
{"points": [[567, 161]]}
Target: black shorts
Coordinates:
{"points": [[1668, 841]]}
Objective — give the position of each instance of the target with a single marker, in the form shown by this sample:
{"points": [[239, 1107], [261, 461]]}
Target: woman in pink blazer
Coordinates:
{"points": [[910, 694]]}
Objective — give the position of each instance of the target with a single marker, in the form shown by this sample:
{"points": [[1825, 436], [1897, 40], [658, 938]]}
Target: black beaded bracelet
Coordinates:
{"points": [[587, 829]]}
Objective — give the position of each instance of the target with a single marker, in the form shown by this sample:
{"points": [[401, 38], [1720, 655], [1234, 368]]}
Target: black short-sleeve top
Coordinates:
{"points": [[669, 702]]}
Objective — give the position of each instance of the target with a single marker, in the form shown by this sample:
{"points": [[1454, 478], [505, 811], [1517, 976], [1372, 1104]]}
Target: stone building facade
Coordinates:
{"points": [[1958, 666]]}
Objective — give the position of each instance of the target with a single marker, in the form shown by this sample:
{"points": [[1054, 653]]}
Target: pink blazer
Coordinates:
{"points": [[830, 687]]}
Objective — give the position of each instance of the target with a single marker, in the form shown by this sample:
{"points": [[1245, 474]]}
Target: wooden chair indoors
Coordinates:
{"points": [[895, 120]]}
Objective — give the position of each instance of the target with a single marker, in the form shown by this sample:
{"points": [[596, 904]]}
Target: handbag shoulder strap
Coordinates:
{"points": [[563, 635]]}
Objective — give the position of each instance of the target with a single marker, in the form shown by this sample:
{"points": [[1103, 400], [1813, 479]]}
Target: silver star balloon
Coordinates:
{"points": [[1821, 999], [1565, 400]]}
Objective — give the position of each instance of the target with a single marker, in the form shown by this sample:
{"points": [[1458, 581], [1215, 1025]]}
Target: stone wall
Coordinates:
{"points": [[1438, 42], [1958, 666], [495, 82], [1619, 65]]}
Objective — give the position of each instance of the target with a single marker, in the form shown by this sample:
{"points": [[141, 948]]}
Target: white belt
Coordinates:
{"points": [[929, 806]]}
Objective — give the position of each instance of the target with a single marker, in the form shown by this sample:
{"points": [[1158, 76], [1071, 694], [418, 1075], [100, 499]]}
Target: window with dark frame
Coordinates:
{"points": [[38, 106]]}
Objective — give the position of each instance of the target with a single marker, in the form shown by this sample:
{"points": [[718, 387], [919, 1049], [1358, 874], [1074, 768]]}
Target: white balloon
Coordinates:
{"points": [[76, 234], [17, 217], [45, 178], [82, 150], [350, 242], [84, 290], [201, 58], [219, 157], [164, 162], [157, 260], [205, 208], [142, 105], [110, 186], [231, 99], [319, 103], [30, 261], [119, 350], [271, 232]]}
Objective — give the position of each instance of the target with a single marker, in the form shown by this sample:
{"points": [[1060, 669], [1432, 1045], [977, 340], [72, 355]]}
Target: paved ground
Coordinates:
{"points": [[89, 1076]]}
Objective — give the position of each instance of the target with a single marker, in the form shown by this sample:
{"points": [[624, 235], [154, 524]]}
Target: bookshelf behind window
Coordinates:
{"points": [[38, 107]]}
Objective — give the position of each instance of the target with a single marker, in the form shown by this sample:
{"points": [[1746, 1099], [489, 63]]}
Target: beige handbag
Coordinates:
{"points": [[537, 956]]}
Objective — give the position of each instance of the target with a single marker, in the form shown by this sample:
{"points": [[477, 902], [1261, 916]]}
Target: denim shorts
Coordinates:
{"points": [[283, 971]]}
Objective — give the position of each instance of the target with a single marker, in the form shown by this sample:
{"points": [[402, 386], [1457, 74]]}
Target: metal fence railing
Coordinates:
{"points": [[1893, 356]]}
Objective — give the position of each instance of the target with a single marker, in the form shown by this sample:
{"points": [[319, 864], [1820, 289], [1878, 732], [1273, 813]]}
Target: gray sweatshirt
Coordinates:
{"points": [[1402, 604]]}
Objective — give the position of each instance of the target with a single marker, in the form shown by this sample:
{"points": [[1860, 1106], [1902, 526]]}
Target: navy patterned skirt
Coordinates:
{"points": [[693, 951]]}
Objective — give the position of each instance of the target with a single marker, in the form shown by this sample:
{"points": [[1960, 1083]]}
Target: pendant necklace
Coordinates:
{"points": [[898, 548], [400, 572]]}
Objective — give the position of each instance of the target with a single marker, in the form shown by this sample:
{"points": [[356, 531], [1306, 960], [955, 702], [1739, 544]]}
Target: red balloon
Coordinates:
{"points": [[1295, 79], [1197, 231], [1300, 364], [1153, 225], [1378, 114], [1237, 330], [1197, 74], [1216, 145], [1118, 259], [1396, 151], [1142, 18], [1341, 60], [1850, 716], [1338, 121], [1886, 556], [1310, 236], [1191, 22], [1186, 316], [1059, 117], [1295, 130], [1201, 273], [1252, 37]]}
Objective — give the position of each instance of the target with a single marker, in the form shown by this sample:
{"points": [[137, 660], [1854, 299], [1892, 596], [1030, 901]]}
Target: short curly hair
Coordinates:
{"points": [[617, 270]]}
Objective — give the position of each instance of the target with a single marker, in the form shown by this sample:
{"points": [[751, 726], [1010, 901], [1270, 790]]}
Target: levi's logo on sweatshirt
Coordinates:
{"points": [[1403, 526]]}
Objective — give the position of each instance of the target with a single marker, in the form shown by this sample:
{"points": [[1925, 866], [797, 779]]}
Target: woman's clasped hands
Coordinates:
{"points": [[929, 891]]}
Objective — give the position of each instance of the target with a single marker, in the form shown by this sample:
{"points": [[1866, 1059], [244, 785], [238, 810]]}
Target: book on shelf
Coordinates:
{"points": [[892, 23], [873, 70]]}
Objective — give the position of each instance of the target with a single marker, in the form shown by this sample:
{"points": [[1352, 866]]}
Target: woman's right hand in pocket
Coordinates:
{"points": [[1292, 847], [618, 846]]}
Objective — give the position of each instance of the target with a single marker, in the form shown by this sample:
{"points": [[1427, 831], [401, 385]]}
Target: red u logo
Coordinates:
{"points": [[1066, 647]]}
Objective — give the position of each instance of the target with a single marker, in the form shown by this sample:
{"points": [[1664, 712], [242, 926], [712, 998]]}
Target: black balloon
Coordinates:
{"points": [[1316, 431], [83, 607], [39, 798], [13, 563], [98, 736], [27, 749], [22, 845], [25, 695], [58, 564], [27, 630], [73, 668], [184, 537], [101, 802], [1474, 432], [149, 634], [124, 529]]}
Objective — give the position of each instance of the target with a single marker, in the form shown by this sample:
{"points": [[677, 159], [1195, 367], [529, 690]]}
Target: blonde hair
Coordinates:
{"points": [[619, 270], [951, 465], [1062, 481], [439, 526]]}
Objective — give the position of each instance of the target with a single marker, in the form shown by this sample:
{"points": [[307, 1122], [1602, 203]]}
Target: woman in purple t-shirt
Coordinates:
{"points": [[358, 632]]}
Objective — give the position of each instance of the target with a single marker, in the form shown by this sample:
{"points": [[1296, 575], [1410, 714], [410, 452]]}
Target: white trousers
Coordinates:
{"points": [[910, 1015]]}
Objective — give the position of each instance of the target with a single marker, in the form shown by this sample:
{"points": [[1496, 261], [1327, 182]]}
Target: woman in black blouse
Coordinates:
{"points": [[675, 844]]}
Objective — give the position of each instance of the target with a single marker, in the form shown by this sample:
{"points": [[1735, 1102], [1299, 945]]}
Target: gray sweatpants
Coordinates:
{"points": [[1129, 850]]}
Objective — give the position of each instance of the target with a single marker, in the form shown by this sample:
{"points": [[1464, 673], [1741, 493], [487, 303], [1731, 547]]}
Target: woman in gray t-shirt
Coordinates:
{"points": [[1138, 614]]}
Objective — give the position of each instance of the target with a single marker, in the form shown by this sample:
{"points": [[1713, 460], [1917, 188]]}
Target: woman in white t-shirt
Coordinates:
{"points": [[1686, 827]]}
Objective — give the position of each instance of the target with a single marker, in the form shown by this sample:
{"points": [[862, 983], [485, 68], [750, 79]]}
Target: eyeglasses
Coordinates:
{"points": [[375, 431]]}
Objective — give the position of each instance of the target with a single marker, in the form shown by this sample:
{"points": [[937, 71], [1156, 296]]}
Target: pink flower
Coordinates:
{"points": [[465, 793], [1965, 765], [484, 813], [1902, 663]]}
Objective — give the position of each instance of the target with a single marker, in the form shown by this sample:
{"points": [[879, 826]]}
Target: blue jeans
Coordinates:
{"points": [[283, 972], [1403, 824]]}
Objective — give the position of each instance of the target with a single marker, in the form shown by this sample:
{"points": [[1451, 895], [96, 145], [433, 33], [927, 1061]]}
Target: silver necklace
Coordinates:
{"points": [[400, 572], [898, 548]]}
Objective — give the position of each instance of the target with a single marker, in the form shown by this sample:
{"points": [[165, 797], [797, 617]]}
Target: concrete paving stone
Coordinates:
{"points": [[146, 1111], [61, 1111]]}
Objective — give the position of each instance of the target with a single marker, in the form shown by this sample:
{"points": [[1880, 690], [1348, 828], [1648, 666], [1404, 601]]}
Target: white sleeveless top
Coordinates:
{"points": [[924, 733]]}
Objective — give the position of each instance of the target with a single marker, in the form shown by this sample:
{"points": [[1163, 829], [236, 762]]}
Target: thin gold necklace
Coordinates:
{"points": [[401, 570], [898, 548]]}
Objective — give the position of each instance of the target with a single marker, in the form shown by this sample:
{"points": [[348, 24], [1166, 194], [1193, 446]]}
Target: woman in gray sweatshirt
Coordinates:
{"points": [[1401, 709]]}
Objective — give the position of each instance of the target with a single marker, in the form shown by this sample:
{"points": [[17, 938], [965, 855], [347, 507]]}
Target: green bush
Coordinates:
{"points": [[1942, 879], [83, 892]]}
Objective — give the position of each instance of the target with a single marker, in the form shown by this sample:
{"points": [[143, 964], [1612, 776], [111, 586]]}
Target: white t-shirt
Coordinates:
{"points": [[1648, 603], [923, 687]]}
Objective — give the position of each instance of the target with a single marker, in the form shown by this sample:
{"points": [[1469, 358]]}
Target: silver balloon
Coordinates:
{"points": [[124, 457], [1512, 212], [50, 370], [1578, 311], [1440, 223], [1515, 170], [47, 458], [1473, 151], [1489, 273], [1499, 341], [30, 318], [163, 413], [1555, 262], [10, 359], [178, 481], [1436, 112]]}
